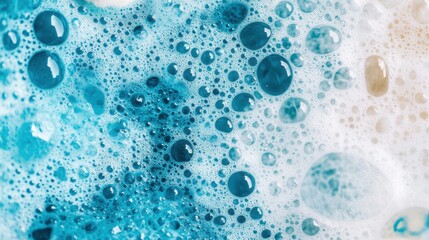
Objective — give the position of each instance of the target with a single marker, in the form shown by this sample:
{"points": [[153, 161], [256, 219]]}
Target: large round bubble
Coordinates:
{"points": [[343, 187], [51, 28], [46, 69], [274, 74]]}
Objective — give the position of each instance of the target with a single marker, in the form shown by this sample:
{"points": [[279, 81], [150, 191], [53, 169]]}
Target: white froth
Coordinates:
{"points": [[111, 3]]}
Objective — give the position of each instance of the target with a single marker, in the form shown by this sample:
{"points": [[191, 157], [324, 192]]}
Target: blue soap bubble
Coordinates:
{"points": [[256, 213], [46, 69], [182, 47], [219, 220], [296, 59], [241, 184], [182, 151], [137, 100], [323, 39], [294, 110], [173, 193], [42, 233], [343, 187], [189, 75], [224, 124], [307, 6], [152, 82], [11, 40], [266, 233], [293, 30], [207, 57], [284, 9], [343, 78], [233, 76], [310, 227], [51, 28], [109, 191], [274, 74], [243, 102], [172, 68], [255, 35]]}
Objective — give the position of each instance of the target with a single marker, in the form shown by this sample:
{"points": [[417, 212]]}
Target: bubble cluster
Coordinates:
{"points": [[139, 119]]}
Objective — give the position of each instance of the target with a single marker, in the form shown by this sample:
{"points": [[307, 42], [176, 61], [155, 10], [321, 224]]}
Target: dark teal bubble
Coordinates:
{"points": [[256, 213], [294, 110], [208, 217], [172, 69], [207, 57], [189, 75], [234, 13], [182, 151], [195, 52], [109, 191], [266, 233], [225, 162], [182, 47], [233, 76], [252, 61], [243, 102], [279, 236], [204, 92], [46, 70], [152, 82], [11, 40], [310, 227], [219, 220], [137, 100], [284, 9], [173, 193], [307, 6], [220, 104], [51, 28], [241, 184], [323, 39], [255, 35], [117, 51], [90, 227], [274, 74], [42, 234], [94, 96], [224, 124], [241, 219], [139, 31], [129, 178]]}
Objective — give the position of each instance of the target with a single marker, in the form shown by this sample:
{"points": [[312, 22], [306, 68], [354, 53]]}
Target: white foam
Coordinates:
{"points": [[111, 3]]}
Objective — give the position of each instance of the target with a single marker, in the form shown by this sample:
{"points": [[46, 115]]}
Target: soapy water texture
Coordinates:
{"points": [[216, 119]]}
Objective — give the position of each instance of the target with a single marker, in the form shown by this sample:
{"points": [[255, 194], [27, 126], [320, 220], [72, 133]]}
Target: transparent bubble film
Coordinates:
{"points": [[214, 119]]}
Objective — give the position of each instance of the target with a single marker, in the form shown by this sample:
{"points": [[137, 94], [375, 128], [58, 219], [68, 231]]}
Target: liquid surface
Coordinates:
{"points": [[233, 119]]}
